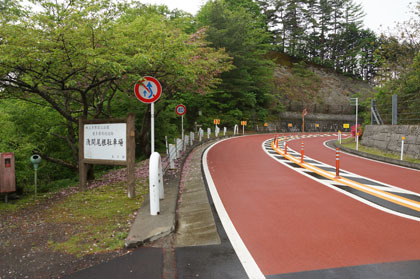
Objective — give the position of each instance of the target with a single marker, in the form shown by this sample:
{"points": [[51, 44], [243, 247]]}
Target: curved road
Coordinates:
{"points": [[291, 223]]}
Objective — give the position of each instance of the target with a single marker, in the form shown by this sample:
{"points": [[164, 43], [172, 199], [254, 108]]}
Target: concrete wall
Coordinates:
{"points": [[388, 138], [325, 122]]}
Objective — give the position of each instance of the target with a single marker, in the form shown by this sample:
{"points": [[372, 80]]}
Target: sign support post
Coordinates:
{"points": [[243, 123], [304, 112], [181, 110], [152, 124]]}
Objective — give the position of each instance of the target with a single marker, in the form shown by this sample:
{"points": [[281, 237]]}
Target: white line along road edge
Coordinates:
{"points": [[248, 262]]}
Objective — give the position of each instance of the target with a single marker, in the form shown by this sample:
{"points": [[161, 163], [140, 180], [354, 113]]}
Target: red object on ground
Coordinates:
{"points": [[353, 130]]}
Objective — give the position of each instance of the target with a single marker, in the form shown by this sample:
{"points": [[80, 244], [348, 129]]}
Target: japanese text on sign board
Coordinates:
{"points": [[105, 141]]}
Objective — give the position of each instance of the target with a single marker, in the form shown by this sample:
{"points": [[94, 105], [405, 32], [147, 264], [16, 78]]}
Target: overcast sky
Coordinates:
{"points": [[378, 12]]}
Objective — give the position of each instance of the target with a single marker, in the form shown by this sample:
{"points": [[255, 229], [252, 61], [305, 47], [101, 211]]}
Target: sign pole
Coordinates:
{"points": [[152, 124], [181, 110]]}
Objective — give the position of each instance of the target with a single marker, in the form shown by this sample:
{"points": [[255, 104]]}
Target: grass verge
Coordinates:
{"points": [[28, 198], [97, 220], [350, 143]]}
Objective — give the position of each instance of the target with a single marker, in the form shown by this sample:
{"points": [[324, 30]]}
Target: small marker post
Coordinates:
{"points": [[337, 163], [301, 151], [402, 148], [285, 148], [357, 141]]}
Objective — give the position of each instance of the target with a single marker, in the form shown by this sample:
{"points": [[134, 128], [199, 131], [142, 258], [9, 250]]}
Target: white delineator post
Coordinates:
{"points": [[357, 141], [402, 148]]}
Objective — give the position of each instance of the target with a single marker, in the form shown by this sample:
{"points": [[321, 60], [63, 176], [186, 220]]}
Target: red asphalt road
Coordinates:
{"points": [[291, 223], [402, 177]]}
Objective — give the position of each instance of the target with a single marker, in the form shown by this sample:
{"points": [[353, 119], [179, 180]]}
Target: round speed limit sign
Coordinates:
{"points": [[180, 109]]}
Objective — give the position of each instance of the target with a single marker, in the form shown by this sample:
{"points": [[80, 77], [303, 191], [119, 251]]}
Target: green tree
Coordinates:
{"points": [[248, 86], [77, 56]]}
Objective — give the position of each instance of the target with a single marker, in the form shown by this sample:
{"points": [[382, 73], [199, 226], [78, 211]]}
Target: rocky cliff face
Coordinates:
{"points": [[319, 89]]}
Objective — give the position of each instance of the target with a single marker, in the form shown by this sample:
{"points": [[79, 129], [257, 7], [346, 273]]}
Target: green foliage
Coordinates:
{"points": [[76, 59], [324, 32], [407, 88], [232, 26], [350, 143], [29, 129]]}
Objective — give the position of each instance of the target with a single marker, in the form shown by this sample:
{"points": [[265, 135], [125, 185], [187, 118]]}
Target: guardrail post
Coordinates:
{"points": [[208, 133], [337, 163], [156, 191], [172, 154], [224, 131], [167, 146], [200, 134], [178, 148], [186, 142], [235, 130]]}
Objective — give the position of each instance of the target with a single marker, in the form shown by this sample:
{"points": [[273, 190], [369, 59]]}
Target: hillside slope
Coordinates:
{"points": [[319, 89]]}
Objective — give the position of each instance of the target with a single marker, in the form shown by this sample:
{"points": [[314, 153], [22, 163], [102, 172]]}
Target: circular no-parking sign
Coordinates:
{"points": [[148, 90], [180, 109]]}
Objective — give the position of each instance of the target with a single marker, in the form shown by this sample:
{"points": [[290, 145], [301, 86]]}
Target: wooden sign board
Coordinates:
{"points": [[107, 142]]}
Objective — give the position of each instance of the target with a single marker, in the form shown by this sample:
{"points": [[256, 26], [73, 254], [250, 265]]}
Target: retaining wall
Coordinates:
{"points": [[314, 122], [388, 138]]}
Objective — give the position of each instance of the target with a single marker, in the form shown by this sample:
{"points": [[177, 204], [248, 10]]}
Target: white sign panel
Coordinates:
{"points": [[105, 141]]}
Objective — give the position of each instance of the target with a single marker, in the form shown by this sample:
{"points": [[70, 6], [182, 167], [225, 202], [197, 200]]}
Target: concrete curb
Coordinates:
{"points": [[406, 164], [147, 228]]}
